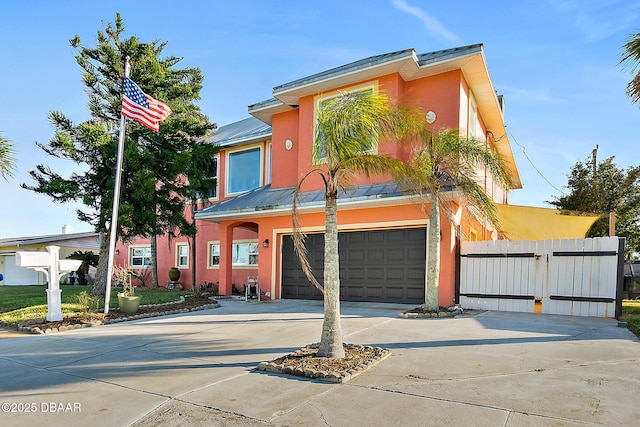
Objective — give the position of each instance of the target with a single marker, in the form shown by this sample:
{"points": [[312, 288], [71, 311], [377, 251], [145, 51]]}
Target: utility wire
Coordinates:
{"points": [[534, 166]]}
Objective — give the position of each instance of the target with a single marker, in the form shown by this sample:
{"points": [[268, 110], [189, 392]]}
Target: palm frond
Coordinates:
{"points": [[299, 237]]}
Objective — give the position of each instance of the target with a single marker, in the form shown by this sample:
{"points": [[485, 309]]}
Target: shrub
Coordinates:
{"points": [[87, 302]]}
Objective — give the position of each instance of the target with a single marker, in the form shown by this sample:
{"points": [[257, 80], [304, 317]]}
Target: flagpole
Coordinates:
{"points": [[116, 202]]}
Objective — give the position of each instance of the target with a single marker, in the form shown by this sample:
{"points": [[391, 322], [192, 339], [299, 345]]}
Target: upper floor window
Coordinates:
{"points": [[322, 101], [473, 117], [213, 194], [140, 256], [268, 174], [182, 255], [243, 170]]}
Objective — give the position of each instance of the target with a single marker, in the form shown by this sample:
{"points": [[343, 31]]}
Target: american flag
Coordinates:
{"points": [[142, 108]]}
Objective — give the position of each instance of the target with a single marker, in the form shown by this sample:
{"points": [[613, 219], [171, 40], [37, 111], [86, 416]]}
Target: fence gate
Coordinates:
{"points": [[580, 277]]}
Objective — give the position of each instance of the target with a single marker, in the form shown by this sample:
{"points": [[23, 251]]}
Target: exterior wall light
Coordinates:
{"points": [[265, 244]]}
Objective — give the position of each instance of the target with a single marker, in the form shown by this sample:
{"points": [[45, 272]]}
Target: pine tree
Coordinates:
{"points": [[154, 187]]}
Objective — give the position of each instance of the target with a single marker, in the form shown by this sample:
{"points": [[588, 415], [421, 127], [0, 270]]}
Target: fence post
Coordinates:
{"points": [[620, 277]]}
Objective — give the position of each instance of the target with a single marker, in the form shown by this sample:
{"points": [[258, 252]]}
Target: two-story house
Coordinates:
{"points": [[246, 229]]}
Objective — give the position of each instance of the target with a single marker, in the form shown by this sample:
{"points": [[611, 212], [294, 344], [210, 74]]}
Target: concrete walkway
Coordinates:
{"points": [[493, 369]]}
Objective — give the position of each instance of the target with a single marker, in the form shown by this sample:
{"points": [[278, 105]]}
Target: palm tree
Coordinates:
{"points": [[348, 128], [446, 162], [630, 57], [89, 259], [7, 161]]}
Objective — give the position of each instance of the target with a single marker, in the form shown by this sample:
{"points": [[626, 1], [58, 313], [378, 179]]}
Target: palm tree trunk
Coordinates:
{"points": [[154, 261], [433, 257], [331, 339]]}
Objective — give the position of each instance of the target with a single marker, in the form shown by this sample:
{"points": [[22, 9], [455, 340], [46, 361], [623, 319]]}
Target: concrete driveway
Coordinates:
{"points": [[493, 369]]}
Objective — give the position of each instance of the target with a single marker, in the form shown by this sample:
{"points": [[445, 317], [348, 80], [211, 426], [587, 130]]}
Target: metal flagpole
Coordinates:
{"points": [[116, 202]]}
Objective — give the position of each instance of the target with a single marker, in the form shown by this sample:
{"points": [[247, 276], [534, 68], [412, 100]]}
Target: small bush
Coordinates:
{"points": [[87, 302]]}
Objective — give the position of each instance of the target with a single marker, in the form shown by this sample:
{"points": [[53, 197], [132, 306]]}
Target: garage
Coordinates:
{"points": [[375, 266], [14, 275]]}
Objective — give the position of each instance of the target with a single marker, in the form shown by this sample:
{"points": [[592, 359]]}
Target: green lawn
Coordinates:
{"points": [[631, 315], [21, 303]]}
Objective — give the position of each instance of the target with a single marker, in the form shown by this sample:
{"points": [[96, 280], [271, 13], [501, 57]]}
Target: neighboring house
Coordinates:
{"points": [[68, 242], [245, 227], [631, 287]]}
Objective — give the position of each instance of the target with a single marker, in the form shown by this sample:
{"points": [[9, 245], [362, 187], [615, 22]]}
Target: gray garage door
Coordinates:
{"points": [[375, 266]]}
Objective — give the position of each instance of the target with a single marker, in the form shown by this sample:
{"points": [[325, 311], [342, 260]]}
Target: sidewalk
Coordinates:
{"points": [[493, 369]]}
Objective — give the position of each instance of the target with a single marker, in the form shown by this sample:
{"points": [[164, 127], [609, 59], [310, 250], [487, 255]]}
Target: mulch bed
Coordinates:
{"points": [[83, 320], [305, 363]]}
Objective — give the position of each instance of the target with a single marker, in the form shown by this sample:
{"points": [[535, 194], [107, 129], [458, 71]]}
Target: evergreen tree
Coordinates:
{"points": [[603, 187], [153, 185]]}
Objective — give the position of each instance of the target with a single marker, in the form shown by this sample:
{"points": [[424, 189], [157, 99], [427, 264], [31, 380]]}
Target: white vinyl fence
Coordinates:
{"points": [[580, 277]]}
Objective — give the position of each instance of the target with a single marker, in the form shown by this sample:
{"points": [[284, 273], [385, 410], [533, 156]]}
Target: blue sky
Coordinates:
{"points": [[555, 62]]}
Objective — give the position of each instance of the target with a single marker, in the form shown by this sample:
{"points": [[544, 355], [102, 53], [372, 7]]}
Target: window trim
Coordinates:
{"points": [[319, 99], [211, 244], [130, 257], [268, 162], [216, 157], [227, 172], [178, 246]]}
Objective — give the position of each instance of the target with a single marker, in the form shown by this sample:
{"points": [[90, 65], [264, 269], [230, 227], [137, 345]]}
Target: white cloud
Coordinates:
{"points": [[431, 24]]}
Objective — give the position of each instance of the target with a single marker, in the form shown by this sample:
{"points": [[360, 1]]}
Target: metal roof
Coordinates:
{"points": [[244, 131], [279, 200], [33, 240], [632, 269], [410, 66], [347, 68]]}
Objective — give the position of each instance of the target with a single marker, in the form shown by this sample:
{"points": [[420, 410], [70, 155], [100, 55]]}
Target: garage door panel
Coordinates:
{"points": [[354, 274], [415, 293], [378, 265], [375, 274], [357, 256], [395, 274], [415, 274], [372, 236], [416, 255], [374, 255], [352, 292], [375, 293]]}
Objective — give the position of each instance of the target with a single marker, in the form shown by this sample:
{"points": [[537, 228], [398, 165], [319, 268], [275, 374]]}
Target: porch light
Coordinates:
{"points": [[265, 244]]}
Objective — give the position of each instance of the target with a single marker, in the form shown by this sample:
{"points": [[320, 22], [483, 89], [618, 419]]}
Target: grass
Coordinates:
{"points": [[22, 303], [631, 315]]}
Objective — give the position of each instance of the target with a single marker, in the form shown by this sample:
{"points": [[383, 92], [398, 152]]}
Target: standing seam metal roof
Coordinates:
{"points": [[266, 198], [245, 130]]}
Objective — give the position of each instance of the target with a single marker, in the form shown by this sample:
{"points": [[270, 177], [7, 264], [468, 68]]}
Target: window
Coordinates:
{"points": [[473, 117], [182, 255], [214, 191], [244, 170], [140, 257], [268, 177], [322, 100], [242, 254], [215, 255]]}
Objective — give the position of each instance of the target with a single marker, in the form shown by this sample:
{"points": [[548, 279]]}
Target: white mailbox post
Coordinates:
{"points": [[50, 264]]}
